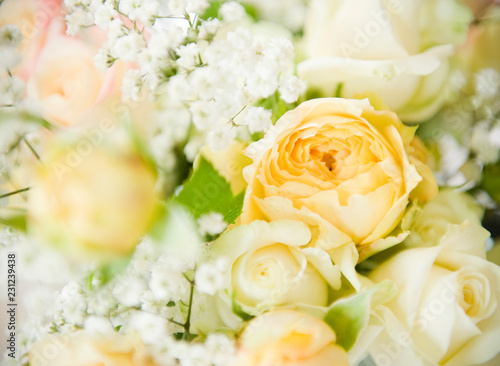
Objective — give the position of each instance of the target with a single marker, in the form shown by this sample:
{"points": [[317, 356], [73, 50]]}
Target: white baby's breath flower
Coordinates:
{"points": [[211, 224], [188, 55], [485, 142], [209, 28], [127, 47], [131, 84], [98, 325], [221, 349], [221, 137], [257, 119], [10, 36], [144, 11], [103, 59], [197, 6], [290, 88], [232, 11], [129, 290], [487, 83], [167, 279], [10, 58], [104, 14], [78, 19], [72, 303], [151, 327], [279, 51], [11, 90]]}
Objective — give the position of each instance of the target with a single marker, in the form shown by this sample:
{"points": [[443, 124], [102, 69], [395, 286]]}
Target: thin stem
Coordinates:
{"points": [[15, 192], [32, 149], [176, 322], [187, 325]]}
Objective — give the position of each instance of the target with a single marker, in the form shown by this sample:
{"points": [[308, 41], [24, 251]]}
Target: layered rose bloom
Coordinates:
{"points": [[92, 199], [289, 338], [344, 169], [398, 50], [270, 266], [87, 349], [447, 309]]}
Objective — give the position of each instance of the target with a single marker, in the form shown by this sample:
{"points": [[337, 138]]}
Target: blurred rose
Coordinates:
{"points": [[270, 265], [447, 304], [398, 50], [65, 80], [341, 167], [437, 216], [92, 198], [289, 338], [82, 349], [33, 18]]}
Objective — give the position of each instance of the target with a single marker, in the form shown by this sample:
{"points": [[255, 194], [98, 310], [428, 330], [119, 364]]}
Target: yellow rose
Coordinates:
{"points": [[342, 168], [92, 199], [270, 266], [289, 338], [397, 49], [81, 349], [447, 308]]}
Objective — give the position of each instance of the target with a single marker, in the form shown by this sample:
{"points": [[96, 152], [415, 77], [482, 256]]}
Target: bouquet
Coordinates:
{"points": [[262, 183]]}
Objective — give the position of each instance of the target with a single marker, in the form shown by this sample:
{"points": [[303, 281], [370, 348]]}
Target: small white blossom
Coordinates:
{"points": [[209, 277], [10, 58], [221, 349], [487, 83], [152, 328], [232, 11], [127, 47], [11, 90], [10, 36], [129, 290], [212, 223], [167, 280], [98, 325], [78, 19], [131, 84], [72, 303], [188, 56], [209, 28], [485, 142], [144, 11], [102, 59], [257, 119], [197, 6], [290, 88], [221, 137], [104, 14]]}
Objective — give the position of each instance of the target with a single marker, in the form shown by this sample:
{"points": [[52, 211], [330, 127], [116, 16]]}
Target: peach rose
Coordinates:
{"points": [[289, 338], [341, 167], [66, 81], [82, 349]]}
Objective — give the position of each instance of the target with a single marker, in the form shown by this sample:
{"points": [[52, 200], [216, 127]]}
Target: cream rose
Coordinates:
{"points": [[342, 168], [85, 349], [437, 217], [447, 308], [271, 266], [289, 338], [396, 49], [92, 200]]}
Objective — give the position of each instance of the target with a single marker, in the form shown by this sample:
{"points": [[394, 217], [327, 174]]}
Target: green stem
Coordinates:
{"points": [[15, 192], [187, 324], [32, 149]]}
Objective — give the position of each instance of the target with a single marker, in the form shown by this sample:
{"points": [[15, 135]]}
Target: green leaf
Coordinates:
{"points": [[239, 311], [491, 181], [15, 218], [207, 191], [348, 317]]}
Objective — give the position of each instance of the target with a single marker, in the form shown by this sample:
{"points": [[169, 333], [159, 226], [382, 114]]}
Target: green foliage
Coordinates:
{"points": [[207, 191], [491, 181], [348, 317]]}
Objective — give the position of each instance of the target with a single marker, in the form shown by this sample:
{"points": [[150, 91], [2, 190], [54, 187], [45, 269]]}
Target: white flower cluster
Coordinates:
{"points": [[470, 131], [11, 87], [200, 78], [150, 297]]}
